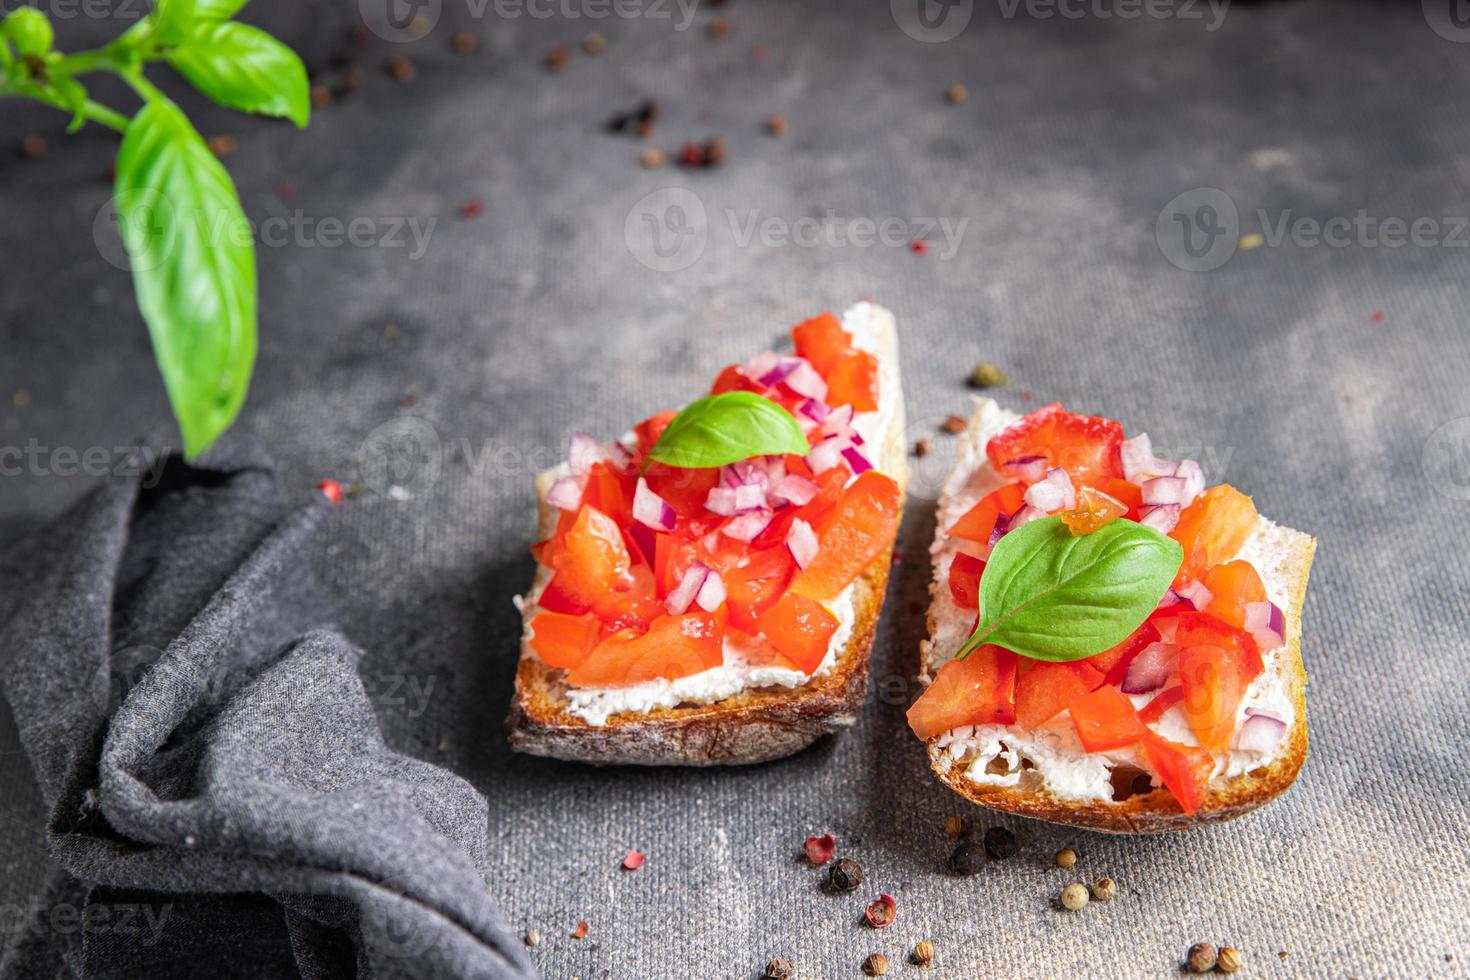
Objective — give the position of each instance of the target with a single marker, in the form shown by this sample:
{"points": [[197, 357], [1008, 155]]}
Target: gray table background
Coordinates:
{"points": [[540, 317]]}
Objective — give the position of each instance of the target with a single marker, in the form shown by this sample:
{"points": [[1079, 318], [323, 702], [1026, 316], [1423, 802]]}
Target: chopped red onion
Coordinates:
{"points": [[839, 422], [749, 497], [711, 594], [1163, 490], [1194, 480], [1171, 598], [748, 526], [619, 455], [802, 541], [825, 455], [1161, 518], [1053, 493], [1150, 668], [757, 366], [582, 452], [804, 380], [1139, 461], [1196, 594], [1267, 623], [856, 460], [565, 494], [721, 500], [795, 489], [815, 410], [688, 587], [777, 372], [651, 509], [1028, 469], [1025, 515], [1260, 733]]}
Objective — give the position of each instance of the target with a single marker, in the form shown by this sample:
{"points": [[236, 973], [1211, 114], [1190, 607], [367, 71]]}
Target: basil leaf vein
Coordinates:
{"points": [[727, 428]]}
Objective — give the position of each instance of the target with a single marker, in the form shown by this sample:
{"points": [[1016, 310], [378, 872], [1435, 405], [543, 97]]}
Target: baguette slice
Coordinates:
{"points": [[755, 724], [1282, 556]]}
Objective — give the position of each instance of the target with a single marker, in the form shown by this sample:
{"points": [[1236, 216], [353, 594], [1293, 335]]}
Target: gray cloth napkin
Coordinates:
{"points": [[221, 800]]}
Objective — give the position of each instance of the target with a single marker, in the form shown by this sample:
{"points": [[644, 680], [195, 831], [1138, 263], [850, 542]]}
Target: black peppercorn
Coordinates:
{"points": [[1000, 843], [967, 859], [845, 875]]}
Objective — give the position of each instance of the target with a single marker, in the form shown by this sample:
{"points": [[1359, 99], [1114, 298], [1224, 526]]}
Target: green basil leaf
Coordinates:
{"points": [[29, 30], [217, 9], [727, 428], [1051, 595], [193, 262], [244, 68], [172, 19]]}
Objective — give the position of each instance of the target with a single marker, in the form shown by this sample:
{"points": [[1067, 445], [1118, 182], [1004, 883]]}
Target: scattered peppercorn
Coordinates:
{"points": [[719, 28], [581, 931], [557, 57], [32, 146], [714, 152], [1066, 857], [420, 25], [401, 68], [819, 849], [321, 96], [957, 93], [780, 969], [919, 246], [1001, 844], [690, 155], [471, 209], [351, 81], [922, 448], [967, 859], [1201, 958], [987, 375], [881, 912], [533, 938], [924, 953], [1074, 896], [1104, 889], [875, 965], [463, 42], [1229, 960], [956, 826], [594, 43], [954, 424], [776, 125], [644, 128], [223, 145], [361, 36], [648, 111], [651, 157], [845, 875]]}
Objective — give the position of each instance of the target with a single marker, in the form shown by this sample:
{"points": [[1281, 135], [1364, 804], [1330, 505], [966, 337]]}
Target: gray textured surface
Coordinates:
{"points": [[535, 319]]}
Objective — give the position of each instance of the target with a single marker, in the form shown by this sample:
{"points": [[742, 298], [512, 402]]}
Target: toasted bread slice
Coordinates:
{"points": [[755, 724], [1017, 780]]}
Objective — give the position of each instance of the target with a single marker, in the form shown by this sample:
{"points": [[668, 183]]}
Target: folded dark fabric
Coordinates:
{"points": [[222, 803]]}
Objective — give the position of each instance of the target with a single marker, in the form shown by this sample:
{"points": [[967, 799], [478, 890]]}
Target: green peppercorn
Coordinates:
{"points": [[1001, 844], [1074, 896], [987, 375], [1104, 889], [967, 859], [1066, 857], [1229, 960], [845, 875], [875, 965]]}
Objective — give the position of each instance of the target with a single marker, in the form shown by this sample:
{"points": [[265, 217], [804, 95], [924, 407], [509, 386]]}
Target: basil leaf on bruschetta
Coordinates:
{"points": [[727, 428]]}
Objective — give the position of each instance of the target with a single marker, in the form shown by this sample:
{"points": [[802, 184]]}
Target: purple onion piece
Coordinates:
{"points": [[1163, 490], [688, 587], [711, 594], [747, 527], [802, 541], [565, 494], [1260, 733], [856, 460], [651, 509], [582, 452], [1150, 669], [1161, 518], [1028, 469]]}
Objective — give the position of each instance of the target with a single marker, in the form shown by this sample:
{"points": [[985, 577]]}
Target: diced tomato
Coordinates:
{"points": [[634, 609], [1113, 662], [1045, 689], [979, 690], [1084, 445], [673, 647], [853, 381], [650, 429], [610, 492], [860, 529], [1095, 510], [1212, 530], [1184, 769], [979, 521], [1214, 682], [1128, 494], [1202, 629], [593, 558], [734, 379], [800, 628], [671, 559], [754, 587], [1234, 585], [1105, 720], [684, 490], [562, 640], [1161, 703], [964, 580], [556, 598], [822, 341]]}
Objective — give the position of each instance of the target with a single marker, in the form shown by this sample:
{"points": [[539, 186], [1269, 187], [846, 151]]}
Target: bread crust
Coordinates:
{"points": [[1158, 811], [756, 725]]}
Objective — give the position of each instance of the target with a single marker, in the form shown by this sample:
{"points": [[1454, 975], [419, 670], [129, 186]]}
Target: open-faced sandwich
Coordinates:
{"points": [[707, 587], [1112, 644]]}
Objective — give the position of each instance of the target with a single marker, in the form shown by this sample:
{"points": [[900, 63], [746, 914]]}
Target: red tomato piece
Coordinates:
{"points": [[1045, 689], [1105, 720], [1161, 703], [1202, 629], [562, 640], [1212, 530], [610, 492], [1086, 446], [556, 598], [822, 341], [683, 489], [734, 379], [1184, 769], [1213, 681], [650, 429], [979, 690], [1234, 585], [1113, 662], [593, 558], [672, 557], [860, 530], [673, 647], [978, 522], [964, 580], [853, 381], [800, 628], [1128, 494], [635, 609], [754, 587]]}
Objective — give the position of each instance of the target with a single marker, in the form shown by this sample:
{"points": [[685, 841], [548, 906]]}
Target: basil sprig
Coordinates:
{"points": [[1051, 595], [727, 428], [189, 246]]}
